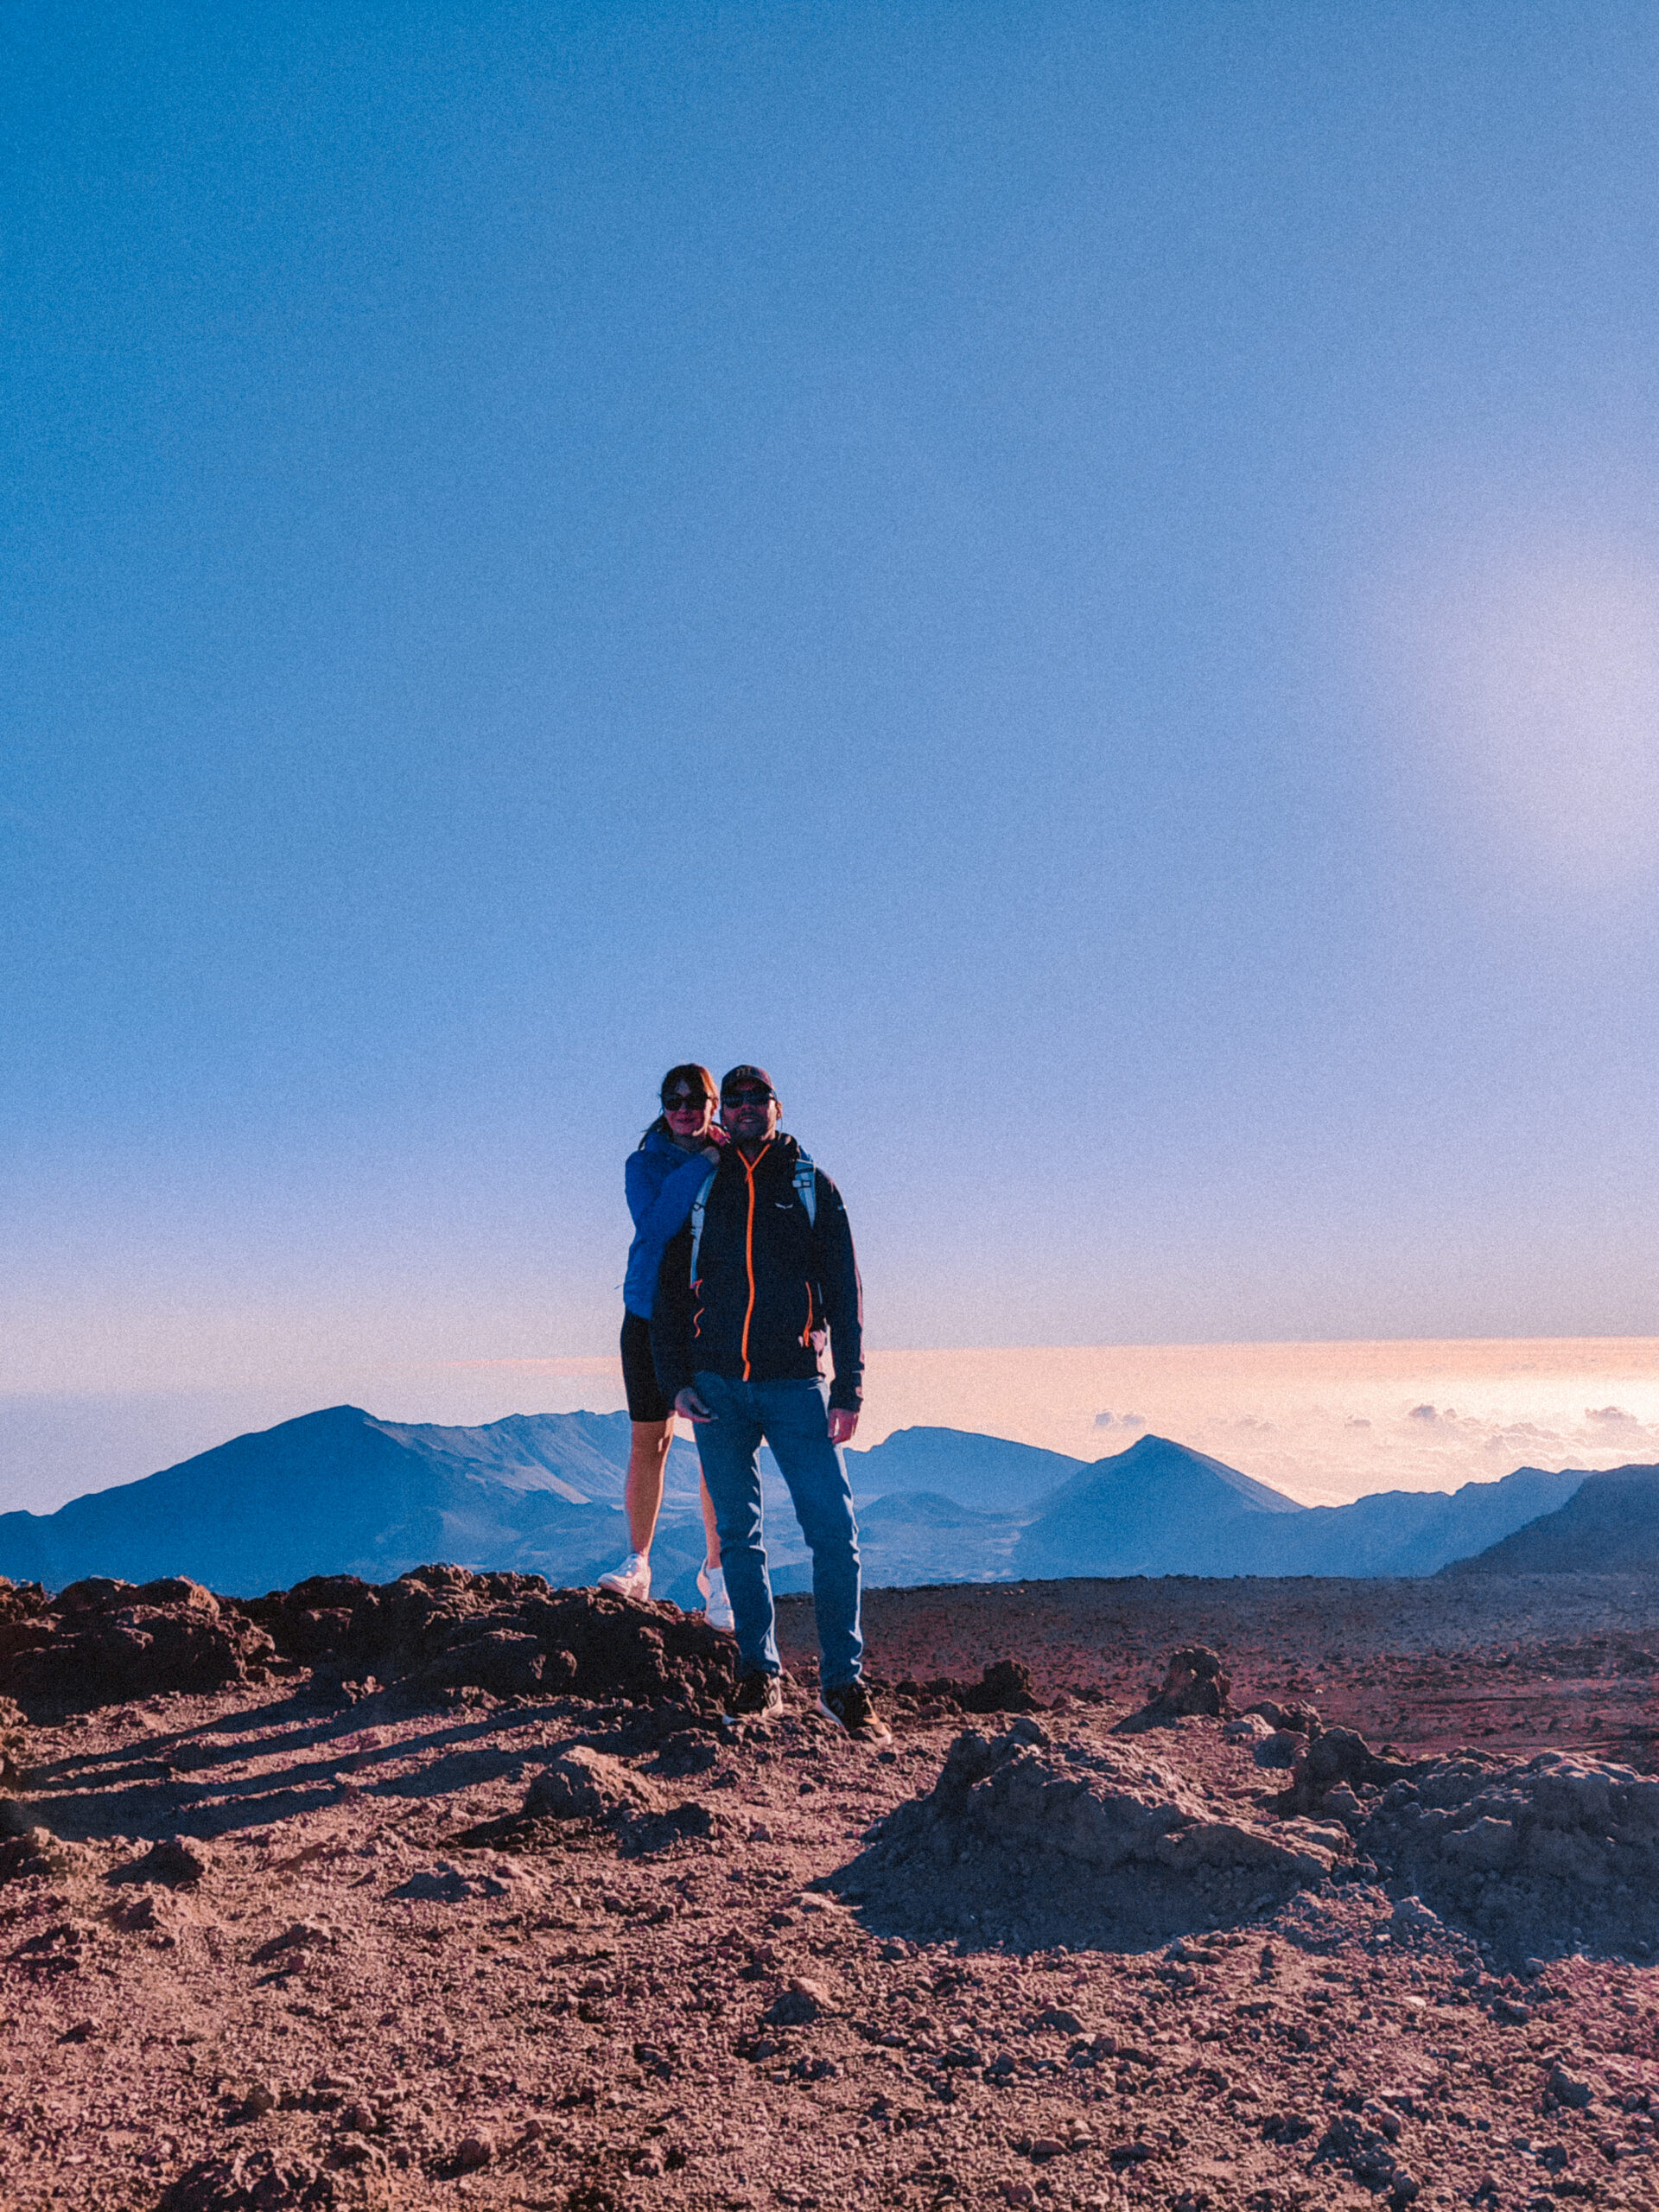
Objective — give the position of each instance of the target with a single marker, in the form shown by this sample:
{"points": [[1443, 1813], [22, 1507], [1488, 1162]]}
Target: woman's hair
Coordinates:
{"points": [[688, 1073]]}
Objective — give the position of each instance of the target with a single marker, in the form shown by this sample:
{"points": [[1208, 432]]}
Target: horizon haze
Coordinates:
{"points": [[1323, 1423]]}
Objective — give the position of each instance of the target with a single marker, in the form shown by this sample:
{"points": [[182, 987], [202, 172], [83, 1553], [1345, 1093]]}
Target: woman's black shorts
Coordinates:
{"points": [[646, 1399]]}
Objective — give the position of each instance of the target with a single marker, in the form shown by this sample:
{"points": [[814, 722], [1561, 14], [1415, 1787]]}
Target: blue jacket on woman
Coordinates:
{"points": [[662, 1184]]}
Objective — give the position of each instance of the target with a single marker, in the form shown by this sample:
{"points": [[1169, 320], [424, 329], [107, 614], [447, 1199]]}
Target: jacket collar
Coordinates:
{"points": [[783, 1148], [659, 1140]]}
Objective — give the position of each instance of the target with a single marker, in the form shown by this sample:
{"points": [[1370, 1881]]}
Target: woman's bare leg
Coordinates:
{"points": [[710, 1534], [647, 1455]]}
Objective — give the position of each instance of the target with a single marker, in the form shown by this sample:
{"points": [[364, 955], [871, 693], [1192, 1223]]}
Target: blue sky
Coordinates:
{"points": [[1081, 582]]}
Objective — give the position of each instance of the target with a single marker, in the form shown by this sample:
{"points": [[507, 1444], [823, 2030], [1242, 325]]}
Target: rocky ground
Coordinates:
{"points": [[1539, 1659], [341, 1926]]}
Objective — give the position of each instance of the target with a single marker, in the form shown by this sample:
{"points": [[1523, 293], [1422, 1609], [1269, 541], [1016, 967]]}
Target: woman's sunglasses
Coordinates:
{"points": [[686, 1102]]}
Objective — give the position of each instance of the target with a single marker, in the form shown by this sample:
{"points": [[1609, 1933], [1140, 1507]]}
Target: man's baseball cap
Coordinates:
{"points": [[735, 1078]]}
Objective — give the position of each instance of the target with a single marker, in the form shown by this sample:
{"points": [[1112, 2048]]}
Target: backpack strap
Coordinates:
{"points": [[806, 1188], [699, 1207]]}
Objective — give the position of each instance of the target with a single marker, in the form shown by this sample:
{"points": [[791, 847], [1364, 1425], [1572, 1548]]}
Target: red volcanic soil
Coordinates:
{"points": [[1541, 1662], [366, 1974]]}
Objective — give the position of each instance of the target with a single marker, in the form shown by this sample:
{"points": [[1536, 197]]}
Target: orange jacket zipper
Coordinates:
{"points": [[749, 1247]]}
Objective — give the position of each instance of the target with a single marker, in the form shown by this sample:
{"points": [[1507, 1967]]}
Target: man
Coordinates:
{"points": [[747, 1293]]}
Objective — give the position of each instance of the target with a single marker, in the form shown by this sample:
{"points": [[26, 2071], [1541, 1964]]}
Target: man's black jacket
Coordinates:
{"points": [[770, 1284]]}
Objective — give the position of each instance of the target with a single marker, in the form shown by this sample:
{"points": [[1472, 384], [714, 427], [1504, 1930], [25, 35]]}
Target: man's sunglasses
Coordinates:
{"points": [[746, 1097], [686, 1102]]}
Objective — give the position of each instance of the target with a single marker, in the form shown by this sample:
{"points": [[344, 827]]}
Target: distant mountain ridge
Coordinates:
{"points": [[990, 1472], [1143, 1510], [1404, 1532], [342, 1490], [1609, 1525], [581, 1457], [339, 1491], [1135, 1511]]}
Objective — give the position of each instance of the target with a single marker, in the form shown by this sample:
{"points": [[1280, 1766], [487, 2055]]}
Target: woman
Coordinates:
{"points": [[662, 1181]]}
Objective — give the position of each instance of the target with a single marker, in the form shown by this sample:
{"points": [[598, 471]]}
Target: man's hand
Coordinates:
{"points": [[842, 1424], [712, 1153], [691, 1406]]}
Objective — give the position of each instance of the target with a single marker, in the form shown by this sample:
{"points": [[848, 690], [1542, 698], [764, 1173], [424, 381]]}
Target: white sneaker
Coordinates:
{"points": [[632, 1579], [716, 1605]]}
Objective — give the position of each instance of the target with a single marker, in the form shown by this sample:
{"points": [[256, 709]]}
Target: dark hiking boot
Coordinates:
{"points": [[850, 1706], [757, 1697]]}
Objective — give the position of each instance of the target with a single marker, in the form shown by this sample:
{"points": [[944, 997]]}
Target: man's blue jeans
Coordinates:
{"points": [[793, 1418]]}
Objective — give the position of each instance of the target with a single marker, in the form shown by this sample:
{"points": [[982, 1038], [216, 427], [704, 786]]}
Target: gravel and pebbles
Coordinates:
{"points": [[353, 1938]]}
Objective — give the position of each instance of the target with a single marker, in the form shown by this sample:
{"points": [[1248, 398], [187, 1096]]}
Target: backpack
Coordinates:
{"points": [[806, 1189]]}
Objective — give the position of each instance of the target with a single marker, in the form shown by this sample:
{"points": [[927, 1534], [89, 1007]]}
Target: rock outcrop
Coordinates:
{"points": [[1194, 1685], [100, 1641], [1340, 1759], [588, 1785], [585, 1784], [441, 1628], [1028, 1832], [436, 1629], [1004, 1686], [1557, 1853]]}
